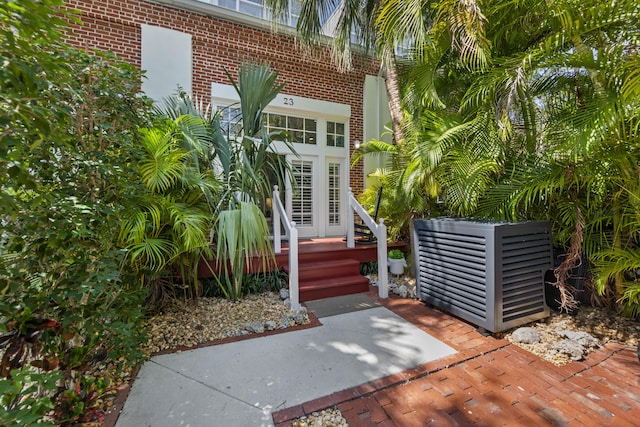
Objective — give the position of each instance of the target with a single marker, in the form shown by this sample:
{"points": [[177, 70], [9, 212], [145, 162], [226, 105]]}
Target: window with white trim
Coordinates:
{"points": [[335, 134], [258, 9], [299, 129]]}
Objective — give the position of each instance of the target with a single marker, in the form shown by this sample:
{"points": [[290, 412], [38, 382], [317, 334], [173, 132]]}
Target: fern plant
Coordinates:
{"points": [[168, 232]]}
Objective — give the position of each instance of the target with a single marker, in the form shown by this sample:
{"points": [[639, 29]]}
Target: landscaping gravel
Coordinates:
{"points": [[191, 323], [560, 331], [331, 417]]}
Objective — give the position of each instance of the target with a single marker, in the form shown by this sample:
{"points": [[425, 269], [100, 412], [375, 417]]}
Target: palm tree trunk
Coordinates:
{"points": [[392, 85]]}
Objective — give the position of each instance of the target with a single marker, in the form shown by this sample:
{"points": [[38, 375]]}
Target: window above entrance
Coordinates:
{"points": [[335, 134], [315, 126], [230, 120], [299, 129]]}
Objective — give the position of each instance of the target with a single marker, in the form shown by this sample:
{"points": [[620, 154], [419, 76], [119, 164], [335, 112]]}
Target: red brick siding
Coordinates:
{"points": [[217, 44]]}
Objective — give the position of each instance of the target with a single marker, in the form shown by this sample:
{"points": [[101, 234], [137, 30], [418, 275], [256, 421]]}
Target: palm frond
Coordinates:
{"points": [[163, 163], [153, 253], [257, 86]]}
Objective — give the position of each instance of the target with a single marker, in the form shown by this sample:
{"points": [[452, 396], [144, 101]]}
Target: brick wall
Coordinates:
{"points": [[217, 44]]}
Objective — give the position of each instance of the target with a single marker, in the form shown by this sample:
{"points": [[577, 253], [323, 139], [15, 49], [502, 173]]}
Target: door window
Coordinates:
{"points": [[302, 195], [334, 181]]}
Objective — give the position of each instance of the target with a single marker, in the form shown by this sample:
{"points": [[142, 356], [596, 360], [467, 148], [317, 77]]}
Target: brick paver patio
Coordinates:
{"points": [[489, 382]]}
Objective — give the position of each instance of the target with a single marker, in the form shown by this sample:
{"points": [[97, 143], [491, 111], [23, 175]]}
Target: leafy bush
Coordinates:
{"points": [[396, 254], [367, 268], [167, 234], [189, 200], [270, 281], [21, 402], [68, 137]]}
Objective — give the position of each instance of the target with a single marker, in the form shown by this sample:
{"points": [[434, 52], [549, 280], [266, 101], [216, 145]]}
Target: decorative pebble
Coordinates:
{"points": [[211, 319], [581, 337], [526, 336], [255, 327], [402, 291], [301, 316], [270, 325], [569, 347], [330, 417], [403, 286], [284, 322]]}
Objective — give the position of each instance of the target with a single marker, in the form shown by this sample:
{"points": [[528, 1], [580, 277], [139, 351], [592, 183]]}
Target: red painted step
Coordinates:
{"points": [[330, 278], [310, 271], [327, 288]]}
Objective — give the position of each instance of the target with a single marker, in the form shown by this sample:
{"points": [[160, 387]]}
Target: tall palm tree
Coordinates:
{"points": [[384, 26]]}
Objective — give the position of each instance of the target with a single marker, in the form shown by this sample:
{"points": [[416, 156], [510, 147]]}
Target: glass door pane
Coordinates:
{"points": [[302, 193], [335, 196]]}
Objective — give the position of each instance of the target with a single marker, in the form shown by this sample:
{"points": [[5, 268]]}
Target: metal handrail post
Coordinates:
{"points": [[280, 217], [294, 291]]}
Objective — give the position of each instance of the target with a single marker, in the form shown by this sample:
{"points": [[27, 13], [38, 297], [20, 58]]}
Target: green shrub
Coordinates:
{"points": [[68, 302], [367, 268], [271, 281], [25, 396]]}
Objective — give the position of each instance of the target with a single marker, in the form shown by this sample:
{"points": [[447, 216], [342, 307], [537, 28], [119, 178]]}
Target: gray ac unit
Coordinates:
{"points": [[488, 273]]}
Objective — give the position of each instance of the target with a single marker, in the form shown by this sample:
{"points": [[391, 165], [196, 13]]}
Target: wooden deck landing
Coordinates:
{"points": [[329, 248]]}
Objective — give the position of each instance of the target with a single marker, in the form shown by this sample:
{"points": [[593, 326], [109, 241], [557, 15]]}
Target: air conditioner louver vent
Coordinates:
{"points": [[491, 274]]}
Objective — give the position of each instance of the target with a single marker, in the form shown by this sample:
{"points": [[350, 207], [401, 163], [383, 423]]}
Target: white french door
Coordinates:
{"points": [[302, 197], [335, 188], [316, 201]]}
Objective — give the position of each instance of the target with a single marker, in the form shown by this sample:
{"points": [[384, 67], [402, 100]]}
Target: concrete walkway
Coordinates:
{"points": [[385, 365], [243, 383]]}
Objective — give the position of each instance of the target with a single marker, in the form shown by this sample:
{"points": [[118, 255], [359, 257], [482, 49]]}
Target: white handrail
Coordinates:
{"points": [[378, 230], [280, 216]]}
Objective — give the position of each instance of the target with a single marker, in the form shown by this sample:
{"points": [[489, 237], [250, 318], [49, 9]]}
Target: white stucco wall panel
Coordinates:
{"points": [[166, 57]]}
